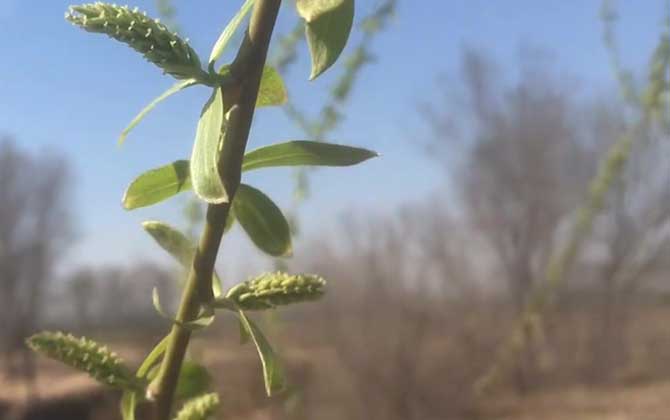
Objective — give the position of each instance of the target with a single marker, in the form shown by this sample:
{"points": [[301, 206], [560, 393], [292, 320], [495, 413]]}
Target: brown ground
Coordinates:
{"points": [[639, 402]]}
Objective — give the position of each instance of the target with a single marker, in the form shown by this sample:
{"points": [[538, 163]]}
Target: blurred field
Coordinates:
{"points": [[324, 384], [632, 402]]}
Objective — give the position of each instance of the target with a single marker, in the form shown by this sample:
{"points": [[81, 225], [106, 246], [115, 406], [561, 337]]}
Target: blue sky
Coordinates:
{"points": [[64, 89]]}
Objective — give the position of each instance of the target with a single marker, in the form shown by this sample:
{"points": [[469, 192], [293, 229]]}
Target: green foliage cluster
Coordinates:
{"points": [[214, 174]]}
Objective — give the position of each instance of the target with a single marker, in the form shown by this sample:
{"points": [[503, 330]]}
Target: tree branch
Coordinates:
{"points": [[241, 99]]}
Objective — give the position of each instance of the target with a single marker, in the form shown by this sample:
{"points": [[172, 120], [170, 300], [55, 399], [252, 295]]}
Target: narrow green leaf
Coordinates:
{"points": [[128, 404], [273, 374], [162, 183], [217, 287], [180, 247], [194, 379], [204, 318], [171, 240], [153, 358], [155, 299], [327, 27], [244, 334], [183, 84], [263, 221], [228, 32], [206, 149], [129, 399], [295, 153], [272, 90], [230, 221], [157, 184]]}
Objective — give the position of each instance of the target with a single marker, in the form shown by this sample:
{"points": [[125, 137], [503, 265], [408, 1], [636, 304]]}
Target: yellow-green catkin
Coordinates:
{"points": [[199, 408], [86, 355], [273, 289], [145, 35]]}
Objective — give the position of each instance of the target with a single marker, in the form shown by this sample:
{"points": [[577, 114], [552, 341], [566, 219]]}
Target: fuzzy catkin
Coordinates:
{"points": [[274, 289], [86, 355], [199, 408], [145, 35]]}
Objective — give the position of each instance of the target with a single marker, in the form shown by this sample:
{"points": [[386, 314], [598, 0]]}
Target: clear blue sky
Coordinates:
{"points": [[73, 91]]}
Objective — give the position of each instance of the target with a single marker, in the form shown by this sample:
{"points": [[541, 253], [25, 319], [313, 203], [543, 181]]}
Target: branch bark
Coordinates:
{"points": [[247, 70]]}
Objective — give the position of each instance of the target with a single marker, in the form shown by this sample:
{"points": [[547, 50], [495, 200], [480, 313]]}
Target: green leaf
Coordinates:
{"points": [[153, 358], [193, 380], [183, 84], [205, 176], [228, 32], [263, 221], [230, 221], [157, 184], [128, 403], [272, 90], [244, 334], [129, 399], [327, 27], [180, 247], [273, 374], [294, 153], [161, 183], [204, 318], [171, 240]]}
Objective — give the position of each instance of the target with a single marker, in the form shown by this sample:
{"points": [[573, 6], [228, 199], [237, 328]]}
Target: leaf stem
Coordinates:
{"points": [[247, 69]]}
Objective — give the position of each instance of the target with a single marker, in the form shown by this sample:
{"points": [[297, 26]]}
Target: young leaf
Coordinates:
{"points": [[204, 318], [129, 398], [294, 153], [153, 358], [228, 32], [272, 90], [193, 380], [183, 84], [273, 289], [200, 408], [230, 221], [244, 335], [86, 355], [171, 240], [273, 374], [205, 176], [327, 27], [180, 247], [128, 404], [162, 183], [157, 184], [263, 221]]}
